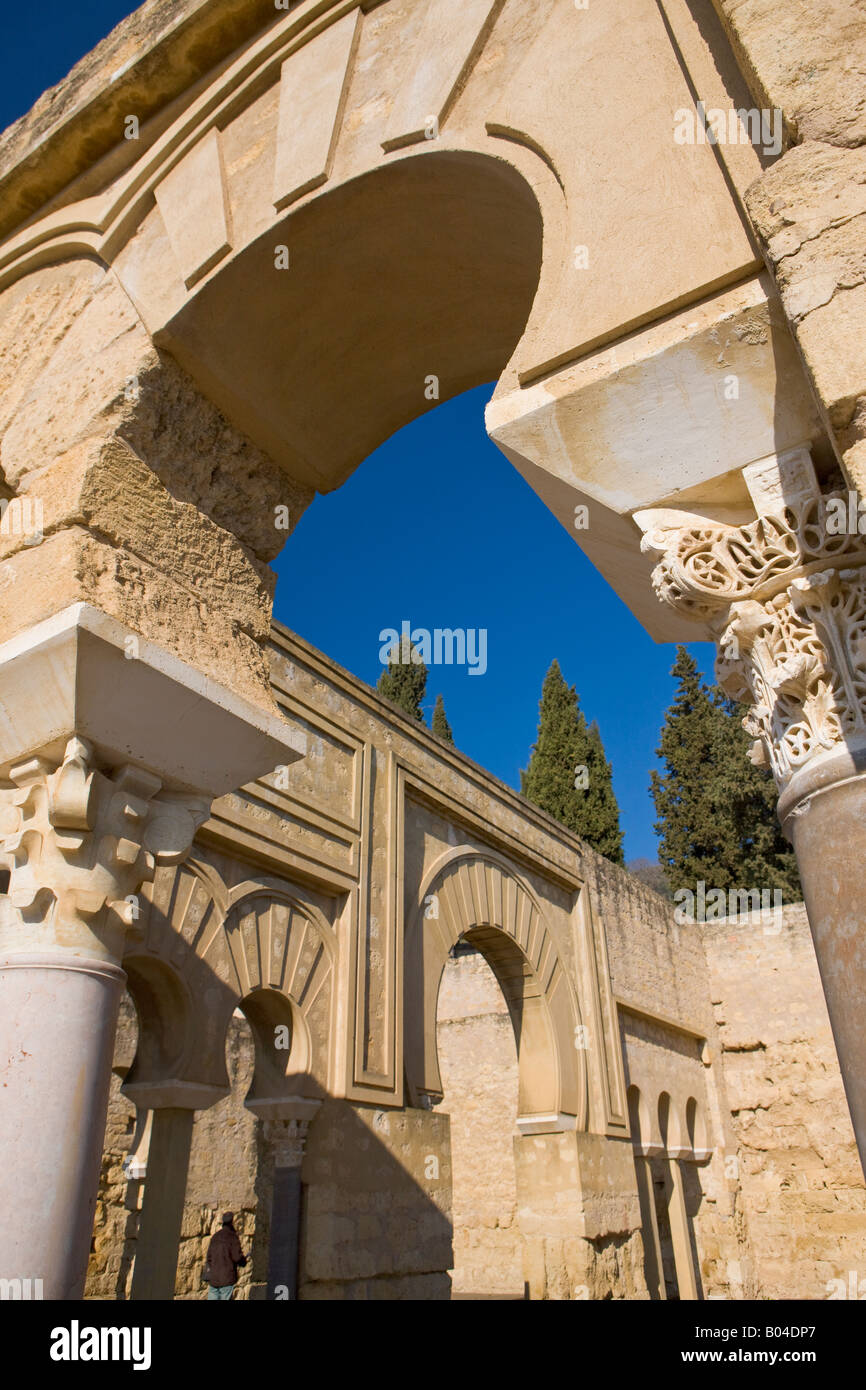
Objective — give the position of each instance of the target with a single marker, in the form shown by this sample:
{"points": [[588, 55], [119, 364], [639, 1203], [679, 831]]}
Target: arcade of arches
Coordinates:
{"points": [[241, 245]]}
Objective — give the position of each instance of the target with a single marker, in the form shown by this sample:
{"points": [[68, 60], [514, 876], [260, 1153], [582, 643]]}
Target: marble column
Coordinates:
{"points": [[785, 598], [78, 844], [111, 752]]}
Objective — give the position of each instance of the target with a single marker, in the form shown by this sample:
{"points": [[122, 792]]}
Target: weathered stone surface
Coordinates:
{"points": [[810, 210], [140, 67], [795, 1161], [728, 1015], [805, 59]]}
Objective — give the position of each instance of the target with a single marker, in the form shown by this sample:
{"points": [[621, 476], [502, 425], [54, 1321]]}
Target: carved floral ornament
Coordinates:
{"points": [[79, 843], [785, 597]]}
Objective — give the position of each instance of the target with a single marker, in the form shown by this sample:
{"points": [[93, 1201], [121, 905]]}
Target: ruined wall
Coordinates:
{"points": [[371, 1195], [809, 208], [796, 1162], [670, 1046], [768, 1163]]}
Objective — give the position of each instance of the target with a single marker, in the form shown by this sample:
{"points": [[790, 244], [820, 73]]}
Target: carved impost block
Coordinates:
{"points": [[785, 596], [79, 843]]}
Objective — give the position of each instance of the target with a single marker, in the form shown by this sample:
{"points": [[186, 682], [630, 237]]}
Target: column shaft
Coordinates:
{"points": [[285, 1234], [653, 1267], [688, 1279], [159, 1227], [57, 1024], [829, 837]]}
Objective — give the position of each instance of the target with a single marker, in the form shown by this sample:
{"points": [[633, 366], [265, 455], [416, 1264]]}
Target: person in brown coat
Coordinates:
{"points": [[224, 1259]]}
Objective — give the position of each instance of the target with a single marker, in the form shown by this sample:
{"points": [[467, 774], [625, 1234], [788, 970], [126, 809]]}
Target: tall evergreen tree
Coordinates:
{"points": [[602, 811], [439, 723], [568, 774], [716, 810], [748, 795], [689, 846], [404, 679]]}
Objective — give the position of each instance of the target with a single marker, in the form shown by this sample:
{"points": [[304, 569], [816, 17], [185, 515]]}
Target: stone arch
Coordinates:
{"points": [[695, 1130], [320, 101], [474, 895], [206, 950], [668, 1123], [639, 1118], [456, 232]]}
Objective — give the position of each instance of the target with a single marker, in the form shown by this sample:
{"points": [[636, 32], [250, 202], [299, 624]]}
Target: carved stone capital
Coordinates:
{"points": [[288, 1139], [79, 843], [785, 596]]}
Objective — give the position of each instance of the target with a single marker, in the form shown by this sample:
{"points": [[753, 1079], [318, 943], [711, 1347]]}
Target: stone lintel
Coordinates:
{"points": [[81, 672]]}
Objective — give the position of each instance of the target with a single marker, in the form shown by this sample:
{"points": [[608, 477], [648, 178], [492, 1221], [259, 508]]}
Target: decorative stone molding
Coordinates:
{"points": [[79, 842], [785, 596]]}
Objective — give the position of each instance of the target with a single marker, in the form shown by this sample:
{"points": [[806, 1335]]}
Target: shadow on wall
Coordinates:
{"points": [[374, 1208]]}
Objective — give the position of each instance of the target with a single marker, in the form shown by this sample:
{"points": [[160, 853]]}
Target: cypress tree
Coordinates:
{"points": [[689, 846], [568, 774], [747, 795], [602, 811], [439, 723], [404, 679], [716, 810]]}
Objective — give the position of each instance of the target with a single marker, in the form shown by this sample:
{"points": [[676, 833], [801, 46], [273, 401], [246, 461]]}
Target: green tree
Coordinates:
{"points": [[439, 723], [568, 774], [404, 679], [601, 809], [716, 810], [748, 795], [651, 873]]}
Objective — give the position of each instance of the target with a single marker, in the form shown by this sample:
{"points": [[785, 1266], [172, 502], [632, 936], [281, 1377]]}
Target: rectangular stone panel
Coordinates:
{"points": [[192, 202], [312, 90], [451, 34]]}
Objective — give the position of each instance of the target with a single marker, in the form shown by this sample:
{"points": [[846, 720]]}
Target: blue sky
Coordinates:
{"points": [[438, 528]]}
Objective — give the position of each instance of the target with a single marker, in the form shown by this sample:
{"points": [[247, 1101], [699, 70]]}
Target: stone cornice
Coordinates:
{"points": [[147, 61]]}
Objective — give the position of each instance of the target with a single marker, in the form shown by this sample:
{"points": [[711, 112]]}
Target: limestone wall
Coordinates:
{"points": [[795, 1158], [376, 1194], [478, 1060], [225, 1173]]}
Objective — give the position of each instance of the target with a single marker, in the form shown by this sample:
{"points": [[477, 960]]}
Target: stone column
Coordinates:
{"points": [[653, 1265], [286, 1123], [164, 1170], [84, 821], [785, 598], [78, 845], [287, 1140], [688, 1280]]}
